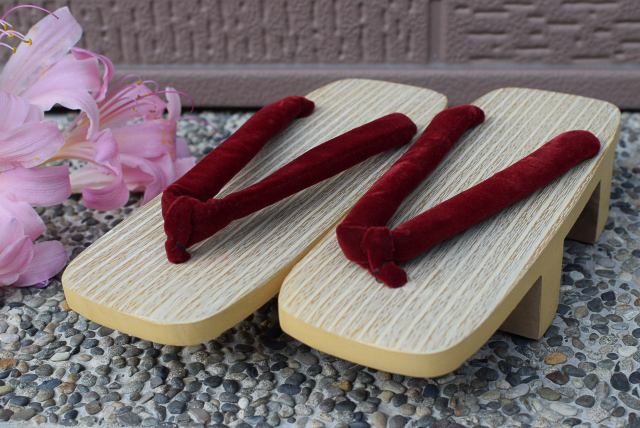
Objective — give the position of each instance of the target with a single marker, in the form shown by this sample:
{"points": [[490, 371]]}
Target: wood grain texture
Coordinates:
{"points": [[461, 290], [125, 282]]}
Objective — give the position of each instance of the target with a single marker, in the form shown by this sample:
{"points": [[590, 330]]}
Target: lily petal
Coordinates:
{"points": [[29, 145], [48, 259], [14, 260], [182, 148], [130, 102], [147, 139], [13, 111], [76, 143], [110, 197], [109, 69], [46, 185], [102, 156], [10, 231], [31, 223], [106, 148], [136, 179], [159, 169], [67, 73], [51, 39], [89, 176], [139, 175], [181, 166], [72, 99], [36, 114]]}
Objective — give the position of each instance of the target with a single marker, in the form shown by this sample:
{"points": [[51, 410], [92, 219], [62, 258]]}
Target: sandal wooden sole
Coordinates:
{"points": [[125, 282], [505, 272]]}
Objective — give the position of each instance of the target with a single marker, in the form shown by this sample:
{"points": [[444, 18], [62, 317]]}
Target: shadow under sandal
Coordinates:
{"points": [[192, 214], [366, 240]]}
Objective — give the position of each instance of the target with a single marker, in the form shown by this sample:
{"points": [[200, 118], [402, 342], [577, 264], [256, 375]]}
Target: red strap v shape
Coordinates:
{"points": [[364, 236], [192, 214]]}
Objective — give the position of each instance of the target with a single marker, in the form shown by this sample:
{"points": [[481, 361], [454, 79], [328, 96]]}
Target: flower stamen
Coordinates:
{"points": [[193, 104], [10, 34], [25, 5], [8, 46]]}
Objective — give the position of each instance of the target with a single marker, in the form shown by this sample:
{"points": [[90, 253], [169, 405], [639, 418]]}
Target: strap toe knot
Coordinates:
{"points": [[178, 228], [377, 244]]}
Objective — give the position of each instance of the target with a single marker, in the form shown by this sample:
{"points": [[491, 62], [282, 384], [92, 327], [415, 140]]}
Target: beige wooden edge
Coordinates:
{"points": [[186, 334]]}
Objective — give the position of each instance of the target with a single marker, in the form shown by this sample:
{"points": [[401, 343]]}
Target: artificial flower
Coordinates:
{"points": [[27, 140], [48, 69], [121, 133], [134, 149], [37, 76], [22, 262]]}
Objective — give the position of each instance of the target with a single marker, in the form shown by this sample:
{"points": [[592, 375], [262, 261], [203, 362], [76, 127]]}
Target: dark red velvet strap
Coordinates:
{"points": [[202, 183], [382, 200], [189, 220], [379, 249], [365, 225]]}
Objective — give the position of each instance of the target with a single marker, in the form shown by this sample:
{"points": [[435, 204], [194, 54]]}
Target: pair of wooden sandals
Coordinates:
{"points": [[503, 272]]}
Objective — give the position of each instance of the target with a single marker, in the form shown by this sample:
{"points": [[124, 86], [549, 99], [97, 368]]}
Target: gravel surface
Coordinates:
{"points": [[57, 367]]}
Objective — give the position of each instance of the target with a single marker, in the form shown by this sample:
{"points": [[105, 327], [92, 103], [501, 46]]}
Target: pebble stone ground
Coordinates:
{"points": [[59, 368]]}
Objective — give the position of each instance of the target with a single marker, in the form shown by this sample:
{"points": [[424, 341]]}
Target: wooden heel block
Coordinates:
{"points": [[536, 310]]}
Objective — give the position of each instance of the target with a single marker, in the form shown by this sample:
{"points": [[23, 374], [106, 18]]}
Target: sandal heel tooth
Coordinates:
{"points": [[589, 224], [535, 312], [591, 221]]}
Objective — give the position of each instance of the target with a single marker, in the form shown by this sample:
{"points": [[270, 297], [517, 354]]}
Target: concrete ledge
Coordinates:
{"points": [[253, 86]]}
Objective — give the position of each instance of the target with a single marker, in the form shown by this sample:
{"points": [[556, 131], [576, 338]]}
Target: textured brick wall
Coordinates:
{"points": [[417, 39], [543, 31], [249, 31]]}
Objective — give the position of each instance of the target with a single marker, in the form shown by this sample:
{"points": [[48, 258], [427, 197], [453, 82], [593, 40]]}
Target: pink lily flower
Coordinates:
{"points": [[41, 73], [22, 262], [134, 149], [49, 70], [123, 157], [122, 135], [26, 140]]}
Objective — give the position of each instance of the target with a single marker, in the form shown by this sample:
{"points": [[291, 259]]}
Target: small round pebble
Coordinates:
{"points": [[585, 401], [555, 358], [620, 382], [397, 421]]}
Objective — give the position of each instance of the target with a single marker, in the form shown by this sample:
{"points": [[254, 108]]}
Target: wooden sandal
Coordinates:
{"points": [[502, 273], [124, 280]]}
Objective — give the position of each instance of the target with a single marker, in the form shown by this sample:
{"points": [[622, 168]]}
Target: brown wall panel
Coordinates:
{"points": [[566, 43]]}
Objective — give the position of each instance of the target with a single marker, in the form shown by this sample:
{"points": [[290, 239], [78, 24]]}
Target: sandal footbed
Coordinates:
{"points": [[125, 282], [462, 290]]}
